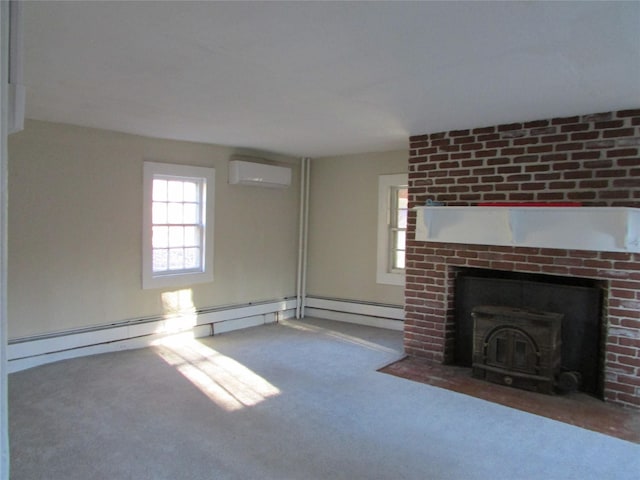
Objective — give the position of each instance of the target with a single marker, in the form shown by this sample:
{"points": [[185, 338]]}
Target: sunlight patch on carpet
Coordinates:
{"points": [[226, 382]]}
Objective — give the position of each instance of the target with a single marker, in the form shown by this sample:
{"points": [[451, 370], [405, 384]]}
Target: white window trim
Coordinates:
{"points": [[149, 280], [385, 183]]}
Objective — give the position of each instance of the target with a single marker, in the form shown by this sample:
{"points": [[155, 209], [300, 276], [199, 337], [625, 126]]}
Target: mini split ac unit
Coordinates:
{"points": [[258, 174]]}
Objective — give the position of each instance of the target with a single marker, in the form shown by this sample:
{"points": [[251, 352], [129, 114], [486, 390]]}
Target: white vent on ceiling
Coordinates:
{"points": [[258, 174]]}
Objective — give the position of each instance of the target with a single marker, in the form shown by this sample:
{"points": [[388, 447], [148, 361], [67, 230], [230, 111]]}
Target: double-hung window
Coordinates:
{"points": [[392, 228], [178, 221]]}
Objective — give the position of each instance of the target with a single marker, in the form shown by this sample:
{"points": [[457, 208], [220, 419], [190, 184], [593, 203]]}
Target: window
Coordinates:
{"points": [[392, 228], [178, 222]]}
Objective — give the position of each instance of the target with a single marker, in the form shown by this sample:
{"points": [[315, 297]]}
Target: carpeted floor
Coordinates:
{"points": [[298, 400]]}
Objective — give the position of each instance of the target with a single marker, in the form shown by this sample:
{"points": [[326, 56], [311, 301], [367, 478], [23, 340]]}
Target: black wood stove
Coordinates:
{"points": [[517, 347]]}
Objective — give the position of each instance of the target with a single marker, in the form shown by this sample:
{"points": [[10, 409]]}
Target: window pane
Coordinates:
{"points": [[190, 213], [159, 212], [400, 240], [191, 237], [159, 190], [190, 192], [174, 213], [160, 260], [191, 258], [175, 191], [402, 219], [176, 236], [176, 259], [403, 198], [160, 238], [399, 258]]}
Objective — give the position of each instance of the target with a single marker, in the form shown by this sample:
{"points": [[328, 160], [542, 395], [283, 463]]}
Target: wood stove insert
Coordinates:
{"points": [[579, 300], [517, 347]]}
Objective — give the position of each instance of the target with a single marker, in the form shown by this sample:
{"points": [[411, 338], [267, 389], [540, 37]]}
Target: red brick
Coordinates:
{"points": [[609, 124], [477, 131], [497, 144], [575, 127], [486, 153], [528, 267], [629, 113], [458, 133], [540, 149], [634, 362], [551, 196], [565, 120], [497, 161], [509, 127], [512, 151], [619, 387], [597, 117], [629, 380], [536, 124], [471, 146], [566, 166], [627, 265], [562, 185], [555, 270], [563, 147], [591, 155], [471, 163], [627, 294], [548, 176], [620, 132], [554, 157], [533, 186], [488, 138], [611, 364], [526, 159], [631, 342], [555, 138], [510, 169], [611, 173], [461, 140], [494, 197], [628, 399], [526, 141], [626, 182], [594, 184], [628, 162], [585, 136], [600, 144], [623, 152], [521, 197], [578, 174]]}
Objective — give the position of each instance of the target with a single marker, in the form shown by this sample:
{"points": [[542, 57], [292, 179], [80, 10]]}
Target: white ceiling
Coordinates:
{"points": [[325, 78]]}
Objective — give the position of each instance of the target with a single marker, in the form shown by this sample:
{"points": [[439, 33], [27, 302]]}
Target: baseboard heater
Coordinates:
{"points": [[352, 311], [23, 353]]}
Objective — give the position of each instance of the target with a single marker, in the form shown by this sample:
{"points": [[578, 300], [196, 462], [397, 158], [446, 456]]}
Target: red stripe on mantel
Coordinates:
{"points": [[530, 204]]}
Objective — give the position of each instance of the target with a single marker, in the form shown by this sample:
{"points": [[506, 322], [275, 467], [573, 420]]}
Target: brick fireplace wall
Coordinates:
{"points": [[592, 159]]}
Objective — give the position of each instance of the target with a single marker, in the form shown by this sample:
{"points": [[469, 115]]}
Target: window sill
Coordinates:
{"points": [[177, 280], [390, 279]]}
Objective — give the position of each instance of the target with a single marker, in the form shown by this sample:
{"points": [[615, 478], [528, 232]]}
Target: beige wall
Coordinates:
{"points": [[75, 212], [343, 227]]}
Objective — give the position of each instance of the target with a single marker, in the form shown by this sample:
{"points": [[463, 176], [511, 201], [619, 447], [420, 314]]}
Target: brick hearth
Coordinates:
{"points": [[593, 159]]}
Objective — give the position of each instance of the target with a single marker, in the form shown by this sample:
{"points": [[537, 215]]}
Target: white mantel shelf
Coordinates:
{"points": [[607, 229]]}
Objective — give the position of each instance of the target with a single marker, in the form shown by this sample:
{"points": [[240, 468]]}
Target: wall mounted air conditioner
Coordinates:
{"points": [[258, 174]]}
